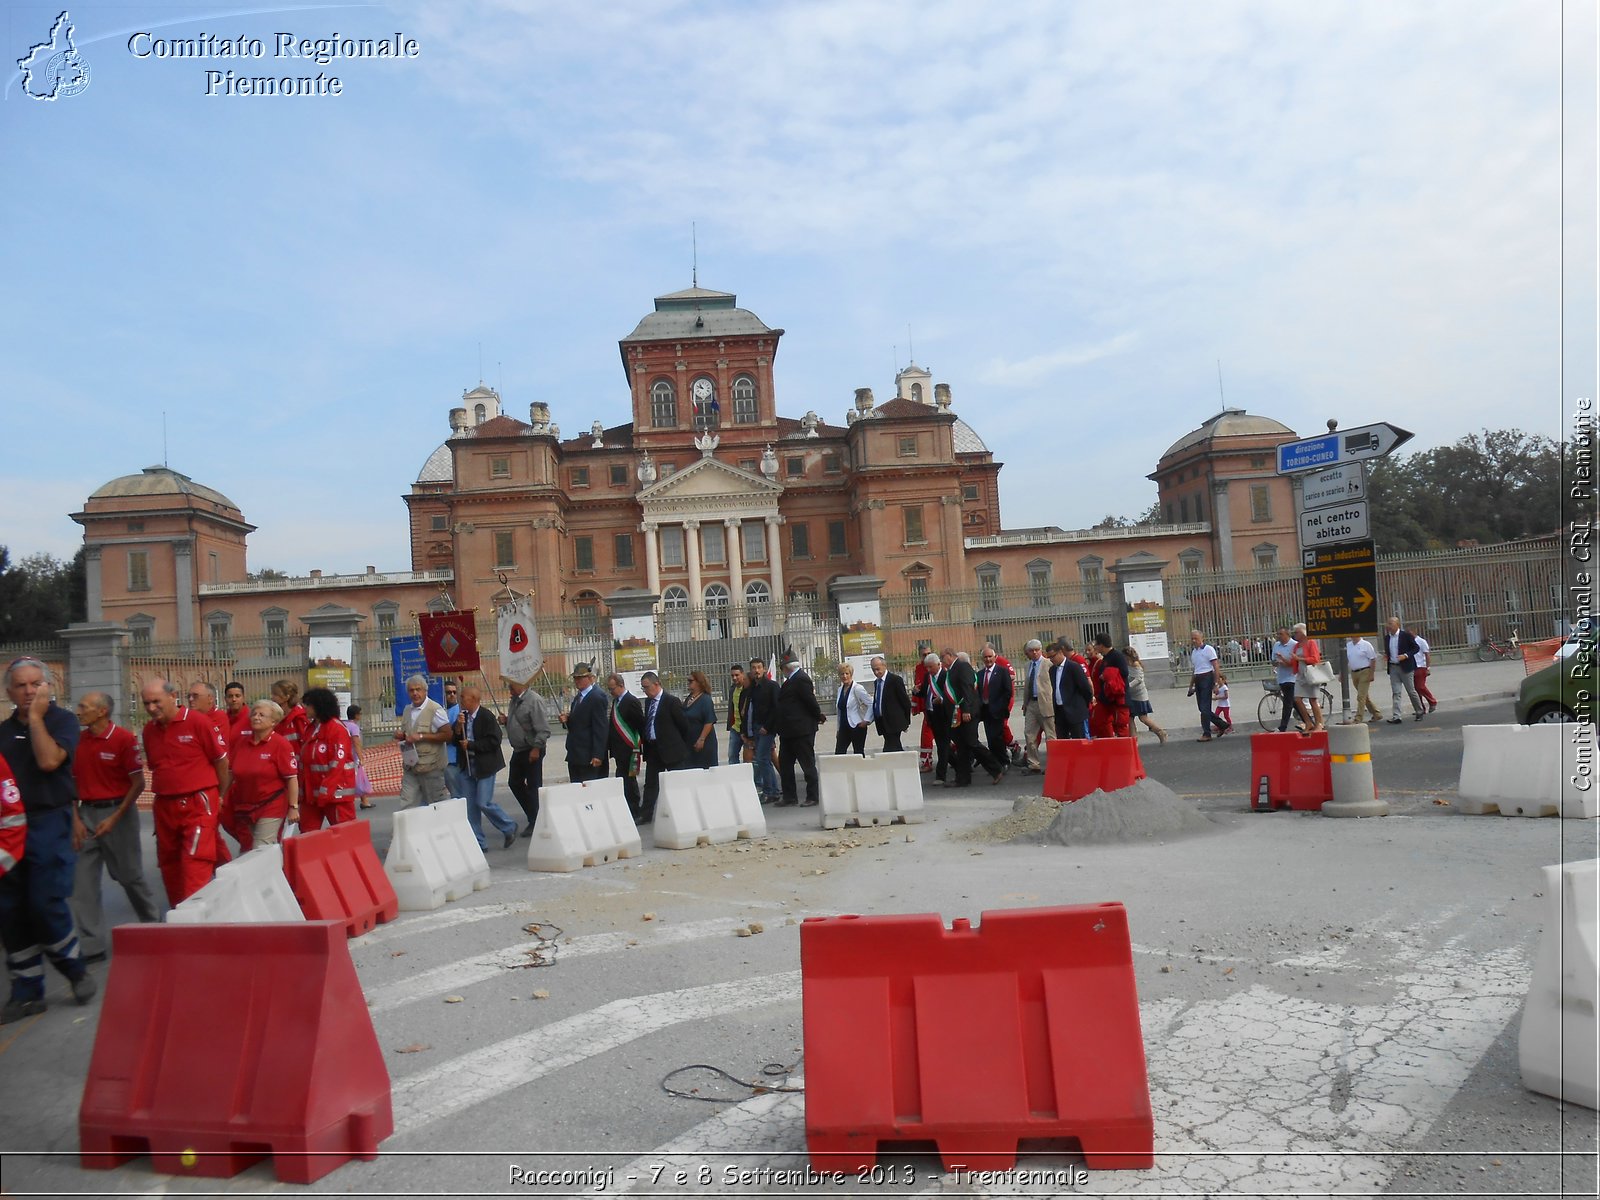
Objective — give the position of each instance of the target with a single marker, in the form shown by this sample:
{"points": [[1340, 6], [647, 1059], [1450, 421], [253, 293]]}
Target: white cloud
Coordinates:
{"points": [[1029, 371]]}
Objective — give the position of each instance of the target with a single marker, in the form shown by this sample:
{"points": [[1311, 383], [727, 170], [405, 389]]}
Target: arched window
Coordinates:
{"points": [[916, 392], [675, 614], [663, 404], [479, 414], [717, 611], [744, 400], [703, 398], [675, 597], [758, 602]]}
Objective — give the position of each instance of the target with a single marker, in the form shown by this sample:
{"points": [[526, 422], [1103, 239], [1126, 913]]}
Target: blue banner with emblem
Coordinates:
{"points": [[408, 661]]}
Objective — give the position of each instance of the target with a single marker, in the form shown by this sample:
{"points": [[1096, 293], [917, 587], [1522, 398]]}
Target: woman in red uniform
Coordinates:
{"points": [[919, 687], [265, 787], [327, 765], [286, 694], [13, 820]]}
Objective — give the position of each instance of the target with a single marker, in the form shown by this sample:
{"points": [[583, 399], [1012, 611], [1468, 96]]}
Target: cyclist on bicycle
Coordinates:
{"points": [[1285, 667]]}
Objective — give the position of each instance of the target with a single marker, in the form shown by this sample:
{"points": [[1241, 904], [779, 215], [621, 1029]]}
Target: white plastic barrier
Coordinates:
{"points": [[878, 790], [581, 825], [433, 856], [1528, 770], [708, 806], [249, 890], [1557, 1044]]}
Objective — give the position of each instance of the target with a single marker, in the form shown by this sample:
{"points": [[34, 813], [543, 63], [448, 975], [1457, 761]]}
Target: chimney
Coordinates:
{"points": [[316, 574], [371, 570]]}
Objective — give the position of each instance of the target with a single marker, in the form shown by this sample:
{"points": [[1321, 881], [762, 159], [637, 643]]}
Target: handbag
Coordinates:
{"points": [[1316, 674]]}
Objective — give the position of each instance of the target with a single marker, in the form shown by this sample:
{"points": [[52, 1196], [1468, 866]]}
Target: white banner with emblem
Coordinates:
{"points": [[520, 654]]}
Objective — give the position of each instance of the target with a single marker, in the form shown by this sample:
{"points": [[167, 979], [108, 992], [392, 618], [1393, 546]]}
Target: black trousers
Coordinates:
{"points": [[1286, 702], [798, 749], [1069, 727], [994, 732], [580, 771], [630, 783], [653, 767], [938, 716], [969, 750], [525, 778], [851, 741], [891, 737]]}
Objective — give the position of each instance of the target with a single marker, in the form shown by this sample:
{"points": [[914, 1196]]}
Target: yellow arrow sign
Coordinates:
{"points": [[1363, 599]]}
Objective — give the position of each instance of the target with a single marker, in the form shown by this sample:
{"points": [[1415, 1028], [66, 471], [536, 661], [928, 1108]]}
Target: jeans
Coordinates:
{"points": [[455, 783], [766, 774], [480, 801], [735, 747]]}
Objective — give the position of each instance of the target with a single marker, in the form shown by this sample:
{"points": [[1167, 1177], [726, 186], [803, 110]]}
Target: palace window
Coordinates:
{"points": [[800, 541], [583, 553], [624, 550], [672, 545], [500, 468], [141, 632], [218, 627], [920, 608], [505, 554], [715, 544], [138, 570], [1266, 557], [619, 475], [663, 405], [277, 630], [832, 464], [908, 446], [1260, 502], [795, 468], [836, 540], [913, 523], [675, 598], [707, 410], [1039, 584], [969, 491], [438, 522], [744, 400], [989, 588], [580, 477], [754, 534], [1093, 579]]}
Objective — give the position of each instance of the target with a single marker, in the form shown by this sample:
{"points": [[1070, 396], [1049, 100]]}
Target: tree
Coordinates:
{"points": [[39, 594], [1490, 487]]}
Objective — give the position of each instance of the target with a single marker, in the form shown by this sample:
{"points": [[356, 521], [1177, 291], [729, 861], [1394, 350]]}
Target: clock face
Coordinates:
{"points": [[702, 389]]}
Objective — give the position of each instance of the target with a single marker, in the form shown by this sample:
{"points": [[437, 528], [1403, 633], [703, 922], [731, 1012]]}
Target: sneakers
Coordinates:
{"points": [[16, 1009], [83, 988]]}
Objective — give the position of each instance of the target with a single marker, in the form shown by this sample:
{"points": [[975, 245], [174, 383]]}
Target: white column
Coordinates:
{"points": [[735, 549], [652, 558], [775, 561], [691, 552]]}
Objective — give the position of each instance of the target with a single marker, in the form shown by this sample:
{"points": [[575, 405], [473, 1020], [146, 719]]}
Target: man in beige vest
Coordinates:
{"points": [[424, 730]]}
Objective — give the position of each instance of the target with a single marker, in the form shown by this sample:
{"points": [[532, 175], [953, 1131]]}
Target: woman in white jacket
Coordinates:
{"points": [[854, 705]]}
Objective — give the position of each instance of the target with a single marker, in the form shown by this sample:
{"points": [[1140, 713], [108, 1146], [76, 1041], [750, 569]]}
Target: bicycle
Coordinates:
{"points": [[1270, 711], [1491, 650]]}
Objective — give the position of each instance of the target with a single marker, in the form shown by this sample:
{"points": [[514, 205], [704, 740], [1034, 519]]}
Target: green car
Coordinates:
{"points": [[1563, 691]]}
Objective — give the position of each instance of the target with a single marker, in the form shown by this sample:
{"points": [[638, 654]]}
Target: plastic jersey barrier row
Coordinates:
{"points": [[1077, 767], [433, 856], [880, 789], [336, 876], [582, 825], [708, 807]]}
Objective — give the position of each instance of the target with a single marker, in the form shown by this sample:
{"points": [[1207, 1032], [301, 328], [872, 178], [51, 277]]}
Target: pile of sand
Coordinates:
{"points": [[1147, 811]]}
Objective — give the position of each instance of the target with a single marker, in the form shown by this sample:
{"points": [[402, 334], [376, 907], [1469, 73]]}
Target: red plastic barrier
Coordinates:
{"points": [[1296, 768], [336, 876], [1027, 1027], [1074, 767], [219, 1045]]}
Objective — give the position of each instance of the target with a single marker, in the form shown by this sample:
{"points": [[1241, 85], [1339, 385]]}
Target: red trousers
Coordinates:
{"points": [[187, 844], [1106, 721], [1419, 678], [313, 814]]}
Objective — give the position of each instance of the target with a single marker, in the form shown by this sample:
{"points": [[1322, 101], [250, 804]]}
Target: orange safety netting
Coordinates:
{"points": [[1536, 656]]}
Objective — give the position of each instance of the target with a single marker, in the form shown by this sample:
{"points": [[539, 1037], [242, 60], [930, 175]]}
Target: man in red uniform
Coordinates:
{"points": [[1109, 716], [105, 825], [13, 821], [238, 711], [203, 699], [327, 765], [189, 771]]}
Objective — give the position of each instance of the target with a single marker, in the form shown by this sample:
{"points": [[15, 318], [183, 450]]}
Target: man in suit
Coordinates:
{"points": [[1109, 717], [587, 727], [1400, 655], [479, 759], [799, 716], [936, 712], [760, 729], [1038, 705], [961, 685], [995, 690], [891, 705], [626, 741], [1070, 693], [666, 740]]}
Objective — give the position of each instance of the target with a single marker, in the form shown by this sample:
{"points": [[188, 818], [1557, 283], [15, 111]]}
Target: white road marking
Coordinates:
{"points": [[1260, 1093], [495, 963], [470, 1079]]}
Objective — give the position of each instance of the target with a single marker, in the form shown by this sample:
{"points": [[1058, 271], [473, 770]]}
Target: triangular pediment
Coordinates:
{"points": [[710, 479]]}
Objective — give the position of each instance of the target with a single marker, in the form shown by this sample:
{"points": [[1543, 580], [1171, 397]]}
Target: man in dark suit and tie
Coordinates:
{"points": [[799, 717], [666, 740], [995, 688], [626, 741], [936, 710], [586, 723], [1072, 693], [891, 705], [962, 686]]}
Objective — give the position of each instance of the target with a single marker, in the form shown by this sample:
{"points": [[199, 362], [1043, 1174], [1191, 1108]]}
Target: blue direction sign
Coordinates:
{"points": [[1342, 446]]}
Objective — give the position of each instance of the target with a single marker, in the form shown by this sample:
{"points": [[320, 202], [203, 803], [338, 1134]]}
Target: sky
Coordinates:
{"points": [[1097, 221]]}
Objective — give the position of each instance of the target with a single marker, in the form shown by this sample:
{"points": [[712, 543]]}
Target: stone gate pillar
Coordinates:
{"points": [[96, 662]]}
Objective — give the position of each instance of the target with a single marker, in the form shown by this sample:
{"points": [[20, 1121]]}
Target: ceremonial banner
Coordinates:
{"points": [[520, 654], [406, 653], [450, 641]]}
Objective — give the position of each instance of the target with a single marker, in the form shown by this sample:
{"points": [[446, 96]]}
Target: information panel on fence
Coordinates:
{"points": [[1341, 586]]}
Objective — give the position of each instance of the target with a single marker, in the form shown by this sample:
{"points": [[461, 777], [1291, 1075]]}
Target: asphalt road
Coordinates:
{"points": [[1327, 1006]]}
